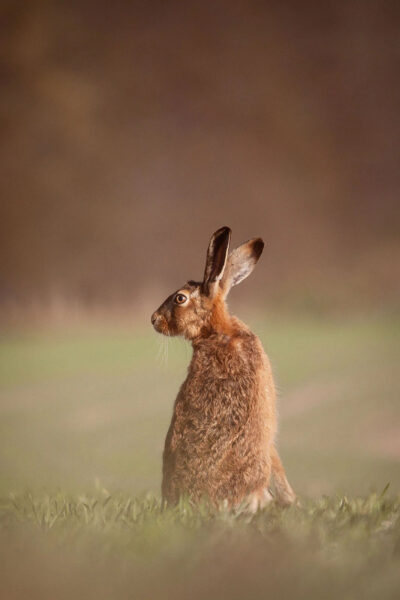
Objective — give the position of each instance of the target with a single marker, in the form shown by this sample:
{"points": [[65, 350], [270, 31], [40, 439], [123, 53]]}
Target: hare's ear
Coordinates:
{"points": [[216, 260], [241, 263]]}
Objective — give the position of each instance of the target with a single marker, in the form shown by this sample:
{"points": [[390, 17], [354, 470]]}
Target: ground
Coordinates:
{"points": [[83, 415]]}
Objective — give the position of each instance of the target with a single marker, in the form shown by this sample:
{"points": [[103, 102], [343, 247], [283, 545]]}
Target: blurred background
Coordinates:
{"points": [[130, 131]]}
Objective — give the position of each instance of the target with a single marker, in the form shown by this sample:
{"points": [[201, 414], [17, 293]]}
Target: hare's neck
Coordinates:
{"points": [[221, 322], [219, 335]]}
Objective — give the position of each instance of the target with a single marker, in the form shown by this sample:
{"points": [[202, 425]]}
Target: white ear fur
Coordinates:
{"points": [[241, 263]]}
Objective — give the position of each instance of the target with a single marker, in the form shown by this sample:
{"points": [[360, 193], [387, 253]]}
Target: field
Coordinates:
{"points": [[83, 415]]}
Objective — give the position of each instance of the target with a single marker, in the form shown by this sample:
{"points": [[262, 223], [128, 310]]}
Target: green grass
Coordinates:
{"points": [[84, 405], [119, 546], [86, 411]]}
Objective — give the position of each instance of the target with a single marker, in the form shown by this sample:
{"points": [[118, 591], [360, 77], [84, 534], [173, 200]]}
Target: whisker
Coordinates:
{"points": [[167, 350], [160, 351]]}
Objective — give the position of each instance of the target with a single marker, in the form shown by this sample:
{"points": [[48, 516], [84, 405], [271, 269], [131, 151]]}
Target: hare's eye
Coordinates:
{"points": [[180, 298]]}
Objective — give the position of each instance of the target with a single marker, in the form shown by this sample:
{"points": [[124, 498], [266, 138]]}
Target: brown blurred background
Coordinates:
{"points": [[131, 130]]}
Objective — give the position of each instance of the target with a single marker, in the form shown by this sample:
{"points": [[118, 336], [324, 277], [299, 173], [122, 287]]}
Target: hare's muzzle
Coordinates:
{"points": [[159, 323]]}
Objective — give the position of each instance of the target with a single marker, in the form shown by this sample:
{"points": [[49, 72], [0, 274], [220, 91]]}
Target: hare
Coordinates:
{"points": [[221, 441]]}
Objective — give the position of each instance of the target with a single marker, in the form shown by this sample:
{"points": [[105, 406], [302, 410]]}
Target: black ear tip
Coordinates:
{"points": [[258, 247], [222, 231]]}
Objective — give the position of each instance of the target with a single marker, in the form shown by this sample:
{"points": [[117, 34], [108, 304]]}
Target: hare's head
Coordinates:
{"points": [[198, 308]]}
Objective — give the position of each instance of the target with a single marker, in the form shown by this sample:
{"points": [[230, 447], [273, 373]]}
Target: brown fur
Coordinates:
{"points": [[220, 444]]}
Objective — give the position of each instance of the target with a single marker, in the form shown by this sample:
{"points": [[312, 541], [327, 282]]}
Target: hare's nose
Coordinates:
{"points": [[154, 318]]}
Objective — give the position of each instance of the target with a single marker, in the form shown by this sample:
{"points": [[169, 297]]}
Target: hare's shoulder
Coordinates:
{"points": [[228, 355], [223, 378]]}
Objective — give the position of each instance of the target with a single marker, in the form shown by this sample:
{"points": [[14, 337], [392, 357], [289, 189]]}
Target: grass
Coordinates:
{"points": [[83, 405], [87, 410], [119, 546]]}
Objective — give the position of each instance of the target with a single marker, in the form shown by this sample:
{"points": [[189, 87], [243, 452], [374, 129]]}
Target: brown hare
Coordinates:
{"points": [[221, 441]]}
